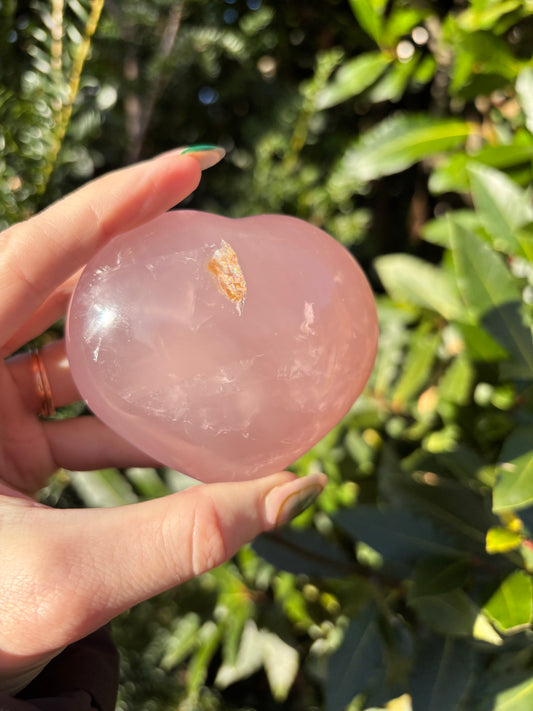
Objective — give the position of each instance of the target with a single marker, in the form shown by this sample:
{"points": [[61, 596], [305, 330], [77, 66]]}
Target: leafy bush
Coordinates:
{"points": [[406, 130]]}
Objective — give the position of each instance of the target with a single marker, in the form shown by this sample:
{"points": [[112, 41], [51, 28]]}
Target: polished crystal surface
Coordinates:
{"points": [[223, 348]]}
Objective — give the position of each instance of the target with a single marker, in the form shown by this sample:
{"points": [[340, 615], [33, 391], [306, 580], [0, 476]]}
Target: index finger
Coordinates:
{"points": [[39, 254]]}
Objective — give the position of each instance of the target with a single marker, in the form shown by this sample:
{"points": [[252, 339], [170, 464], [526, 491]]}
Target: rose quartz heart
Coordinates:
{"points": [[223, 348]]}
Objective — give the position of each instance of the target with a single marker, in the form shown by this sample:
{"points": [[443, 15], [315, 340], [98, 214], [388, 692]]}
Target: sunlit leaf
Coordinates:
{"points": [[514, 485], [481, 19], [395, 144], [281, 662], [524, 89], [249, 658], [503, 207], [369, 14], [182, 641], [511, 605], [451, 175], [208, 641], [456, 383], [408, 279], [147, 482], [417, 366], [392, 342], [352, 78], [437, 230], [515, 698], [502, 540], [392, 85], [491, 294], [103, 488]]}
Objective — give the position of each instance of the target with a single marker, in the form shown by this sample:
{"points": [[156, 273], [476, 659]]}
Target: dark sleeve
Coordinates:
{"points": [[84, 677]]}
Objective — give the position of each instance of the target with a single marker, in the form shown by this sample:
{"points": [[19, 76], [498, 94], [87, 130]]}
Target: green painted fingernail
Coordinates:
{"points": [[297, 502], [206, 155], [201, 147]]}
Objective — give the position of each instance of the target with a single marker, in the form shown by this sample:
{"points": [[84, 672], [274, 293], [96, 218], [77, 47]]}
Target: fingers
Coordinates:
{"points": [[38, 255], [85, 443], [55, 362], [90, 565], [51, 310], [80, 443]]}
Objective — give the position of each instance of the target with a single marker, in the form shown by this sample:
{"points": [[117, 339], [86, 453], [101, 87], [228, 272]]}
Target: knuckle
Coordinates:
{"points": [[208, 545]]}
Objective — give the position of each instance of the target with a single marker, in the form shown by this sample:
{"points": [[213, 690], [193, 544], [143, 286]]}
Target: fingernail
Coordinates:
{"points": [[206, 155], [288, 501]]}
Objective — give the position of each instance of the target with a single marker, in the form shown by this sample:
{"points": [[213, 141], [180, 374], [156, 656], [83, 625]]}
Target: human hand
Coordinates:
{"points": [[65, 573]]}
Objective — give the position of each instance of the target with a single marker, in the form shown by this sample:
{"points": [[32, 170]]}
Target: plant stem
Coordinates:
{"points": [[73, 83]]}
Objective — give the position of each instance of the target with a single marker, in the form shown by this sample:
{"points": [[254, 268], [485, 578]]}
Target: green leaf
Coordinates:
{"points": [[249, 658], [437, 230], [281, 662], [479, 345], [484, 280], [480, 19], [524, 89], [397, 143], [354, 662], [303, 552], [411, 280], [507, 684], [103, 488], [491, 294], [260, 648], [502, 540], [451, 175], [398, 535], [394, 337], [460, 511], [208, 641], [182, 641], [451, 613], [353, 77], [490, 55], [400, 22], [514, 485], [515, 698], [147, 482], [434, 576], [503, 207], [456, 383], [392, 86], [511, 605], [454, 614], [369, 15], [417, 366], [443, 670]]}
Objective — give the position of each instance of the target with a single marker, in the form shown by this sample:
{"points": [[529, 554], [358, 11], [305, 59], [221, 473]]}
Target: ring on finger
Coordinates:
{"points": [[42, 384]]}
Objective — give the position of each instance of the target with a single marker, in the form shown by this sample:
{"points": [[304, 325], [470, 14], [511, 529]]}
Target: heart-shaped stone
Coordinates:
{"points": [[223, 348]]}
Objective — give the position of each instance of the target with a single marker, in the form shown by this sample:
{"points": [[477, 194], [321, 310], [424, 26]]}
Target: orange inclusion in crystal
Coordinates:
{"points": [[227, 273]]}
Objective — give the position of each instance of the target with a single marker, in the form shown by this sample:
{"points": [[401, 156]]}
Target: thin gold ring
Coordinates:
{"points": [[42, 384]]}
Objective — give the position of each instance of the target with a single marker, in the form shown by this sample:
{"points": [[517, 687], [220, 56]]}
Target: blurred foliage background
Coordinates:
{"points": [[405, 129]]}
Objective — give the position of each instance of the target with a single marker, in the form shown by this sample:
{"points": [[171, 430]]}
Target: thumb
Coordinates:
{"points": [[90, 565]]}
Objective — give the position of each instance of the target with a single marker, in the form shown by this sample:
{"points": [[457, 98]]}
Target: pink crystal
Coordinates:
{"points": [[223, 348]]}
